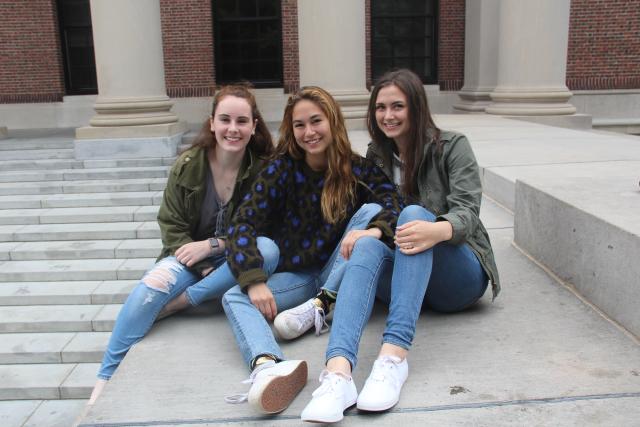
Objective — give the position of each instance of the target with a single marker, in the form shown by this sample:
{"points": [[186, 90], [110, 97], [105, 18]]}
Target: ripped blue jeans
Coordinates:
{"points": [[163, 282]]}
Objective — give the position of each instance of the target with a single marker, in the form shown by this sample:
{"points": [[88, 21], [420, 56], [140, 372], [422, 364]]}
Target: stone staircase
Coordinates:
{"points": [[75, 236]]}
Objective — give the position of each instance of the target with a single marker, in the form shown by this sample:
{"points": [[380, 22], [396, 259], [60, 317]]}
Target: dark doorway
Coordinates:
{"points": [[77, 47], [248, 41], [404, 35]]}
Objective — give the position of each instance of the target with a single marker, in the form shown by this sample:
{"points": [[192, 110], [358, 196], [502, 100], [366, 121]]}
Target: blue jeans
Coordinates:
{"points": [[290, 289], [446, 278], [163, 282]]}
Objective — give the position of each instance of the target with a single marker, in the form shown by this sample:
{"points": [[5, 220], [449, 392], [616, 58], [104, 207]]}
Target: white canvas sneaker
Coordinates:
{"points": [[273, 386], [296, 321], [336, 394], [382, 389]]}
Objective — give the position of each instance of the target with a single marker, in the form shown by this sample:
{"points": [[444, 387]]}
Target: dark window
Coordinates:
{"points": [[248, 41], [77, 47], [403, 35]]}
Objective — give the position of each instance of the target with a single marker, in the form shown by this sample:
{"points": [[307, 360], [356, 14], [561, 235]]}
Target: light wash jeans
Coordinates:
{"points": [[163, 282], [290, 289], [447, 277]]}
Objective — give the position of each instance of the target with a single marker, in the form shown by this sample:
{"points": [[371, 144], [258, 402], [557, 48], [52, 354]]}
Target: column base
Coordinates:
{"points": [[473, 101], [3, 132], [128, 142], [552, 101], [354, 106]]}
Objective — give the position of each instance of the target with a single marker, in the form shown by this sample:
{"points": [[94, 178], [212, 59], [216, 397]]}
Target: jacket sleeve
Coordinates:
{"points": [[465, 191], [173, 220], [251, 219]]}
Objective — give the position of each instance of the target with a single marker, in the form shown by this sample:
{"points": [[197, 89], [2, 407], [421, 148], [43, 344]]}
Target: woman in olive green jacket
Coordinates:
{"points": [[203, 189]]}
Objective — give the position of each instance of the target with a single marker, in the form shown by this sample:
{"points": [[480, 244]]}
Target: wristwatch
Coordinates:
{"points": [[213, 242]]}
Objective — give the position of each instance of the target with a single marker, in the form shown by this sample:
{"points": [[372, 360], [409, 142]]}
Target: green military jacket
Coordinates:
{"points": [[179, 213], [449, 186]]}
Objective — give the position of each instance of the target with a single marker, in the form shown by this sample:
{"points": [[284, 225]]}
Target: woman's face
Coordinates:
{"points": [[392, 113], [233, 124], [312, 132]]}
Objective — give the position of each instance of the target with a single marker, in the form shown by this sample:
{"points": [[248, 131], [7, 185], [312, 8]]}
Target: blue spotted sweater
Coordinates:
{"points": [[284, 205]]}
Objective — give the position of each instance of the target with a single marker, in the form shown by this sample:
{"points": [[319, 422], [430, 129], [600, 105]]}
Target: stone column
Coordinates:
{"points": [[480, 55], [133, 117], [333, 55], [532, 59]]}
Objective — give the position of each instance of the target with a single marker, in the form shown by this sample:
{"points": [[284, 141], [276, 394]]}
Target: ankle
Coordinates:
{"points": [[388, 349], [262, 359], [339, 365], [325, 300]]}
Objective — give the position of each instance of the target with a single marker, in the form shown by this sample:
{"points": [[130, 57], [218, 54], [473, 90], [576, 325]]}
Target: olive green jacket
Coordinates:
{"points": [[449, 186], [179, 213]]}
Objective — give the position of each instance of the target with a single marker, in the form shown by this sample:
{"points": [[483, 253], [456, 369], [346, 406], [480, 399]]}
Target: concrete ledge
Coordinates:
{"points": [[591, 243]]}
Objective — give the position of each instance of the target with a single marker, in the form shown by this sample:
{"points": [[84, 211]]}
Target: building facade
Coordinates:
{"points": [[461, 49]]}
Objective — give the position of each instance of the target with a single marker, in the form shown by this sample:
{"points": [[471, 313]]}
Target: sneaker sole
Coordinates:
{"points": [[364, 408], [281, 391], [330, 420]]}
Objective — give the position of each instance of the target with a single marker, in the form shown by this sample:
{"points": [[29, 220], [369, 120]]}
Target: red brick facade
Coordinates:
{"points": [[451, 44], [604, 45], [30, 57], [290, 51], [187, 38]]}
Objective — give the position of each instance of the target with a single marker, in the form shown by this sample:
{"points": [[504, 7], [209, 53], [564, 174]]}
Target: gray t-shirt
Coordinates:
{"points": [[213, 212]]}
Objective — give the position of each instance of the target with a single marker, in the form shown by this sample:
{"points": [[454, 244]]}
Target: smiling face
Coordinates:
{"points": [[312, 132], [392, 113], [232, 124]]}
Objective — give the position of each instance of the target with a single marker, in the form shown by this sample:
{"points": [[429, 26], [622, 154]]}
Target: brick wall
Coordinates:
{"points": [[30, 56], [604, 45], [290, 55], [451, 44], [187, 38]]}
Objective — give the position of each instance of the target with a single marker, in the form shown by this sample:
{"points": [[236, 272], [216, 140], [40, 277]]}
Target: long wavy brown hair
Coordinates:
{"points": [[260, 143], [340, 182], [422, 128]]}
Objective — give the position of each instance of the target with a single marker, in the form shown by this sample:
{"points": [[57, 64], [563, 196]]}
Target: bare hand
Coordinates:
{"points": [[350, 239], [191, 253], [417, 236], [261, 296]]}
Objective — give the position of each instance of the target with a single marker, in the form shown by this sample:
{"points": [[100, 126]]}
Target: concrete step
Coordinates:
{"points": [[80, 231], [37, 413], [23, 144], [47, 381], [66, 292], [30, 165], [78, 215], [53, 347], [85, 249], [87, 186], [129, 163], [41, 154], [33, 201], [79, 173], [74, 270], [58, 318]]}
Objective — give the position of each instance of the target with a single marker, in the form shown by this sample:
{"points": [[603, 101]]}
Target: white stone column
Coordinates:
{"points": [[480, 55], [133, 117], [333, 55], [532, 59]]}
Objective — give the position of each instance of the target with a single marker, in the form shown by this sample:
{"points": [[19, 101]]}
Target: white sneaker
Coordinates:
{"points": [[382, 389], [273, 386], [296, 321], [336, 394]]}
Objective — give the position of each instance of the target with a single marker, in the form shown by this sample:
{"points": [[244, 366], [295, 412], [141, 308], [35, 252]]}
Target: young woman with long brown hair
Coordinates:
{"points": [[315, 199]]}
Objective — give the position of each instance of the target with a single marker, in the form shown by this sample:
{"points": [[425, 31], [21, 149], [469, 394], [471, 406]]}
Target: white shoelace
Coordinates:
{"points": [[242, 397], [304, 317], [328, 380], [382, 368]]}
